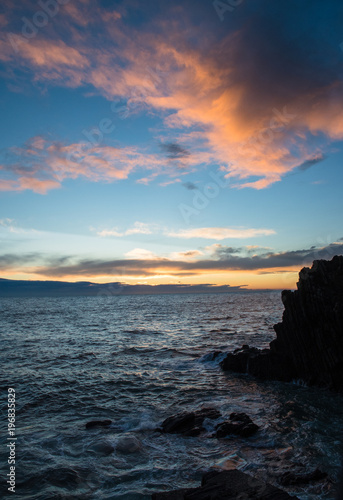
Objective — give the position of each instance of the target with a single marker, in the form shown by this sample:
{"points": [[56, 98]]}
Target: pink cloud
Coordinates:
{"points": [[48, 164]]}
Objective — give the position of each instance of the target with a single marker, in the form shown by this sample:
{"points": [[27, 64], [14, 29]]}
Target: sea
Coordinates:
{"points": [[137, 360]]}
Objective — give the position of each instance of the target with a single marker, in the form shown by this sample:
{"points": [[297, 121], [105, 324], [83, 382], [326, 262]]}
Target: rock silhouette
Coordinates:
{"points": [[98, 423], [239, 424], [227, 485], [189, 424], [309, 340]]}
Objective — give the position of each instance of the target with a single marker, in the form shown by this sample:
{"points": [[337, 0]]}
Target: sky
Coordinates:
{"points": [[185, 142]]}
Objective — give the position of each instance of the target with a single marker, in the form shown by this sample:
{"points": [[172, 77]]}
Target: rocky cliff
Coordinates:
{"points": [[309, 340]]}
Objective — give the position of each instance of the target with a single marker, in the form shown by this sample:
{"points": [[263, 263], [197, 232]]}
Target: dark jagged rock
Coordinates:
{"points": [[311, 332], [239, 424], [227, 485], [309, 340], [261, 363], [98, 423], [290, 478], [189, 424]]}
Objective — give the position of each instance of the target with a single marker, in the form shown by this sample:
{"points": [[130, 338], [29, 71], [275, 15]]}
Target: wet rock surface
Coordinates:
{"points": [[98, 423], [189, 424], [261, 363], [291, 478], [239, 424], [128, 444], [309, 340], [226, 485]]}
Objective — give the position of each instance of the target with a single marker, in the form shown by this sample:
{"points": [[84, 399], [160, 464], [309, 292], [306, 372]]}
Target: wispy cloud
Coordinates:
{"points": [[219, 233], [41, 165], [138, 228], [6, 222], [210, 233], [141, 254]]}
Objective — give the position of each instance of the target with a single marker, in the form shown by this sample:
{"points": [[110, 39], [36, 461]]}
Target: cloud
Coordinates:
{"points": [[10, 226], [313, 161], [190, 255], [109, 232], [219, 233], [41, 165], [138, 228], [6, 222], [212, 233], [190, 186], [142, 263], [174, 151], [141, 254], [11, 261], [264, 96]]}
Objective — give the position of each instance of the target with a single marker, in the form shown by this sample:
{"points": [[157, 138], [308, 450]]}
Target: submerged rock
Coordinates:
{"points": [[103, 448], [189, 424], [291, 478], [98, 423], [128, 444], [227, 485], [239, 424], [309, 340]]}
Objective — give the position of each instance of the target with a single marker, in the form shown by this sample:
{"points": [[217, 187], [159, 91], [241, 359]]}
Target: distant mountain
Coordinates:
{"points": [[23, 288]]}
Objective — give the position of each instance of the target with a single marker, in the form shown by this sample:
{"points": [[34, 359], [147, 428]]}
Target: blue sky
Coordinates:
{"points": [[193, 142]]}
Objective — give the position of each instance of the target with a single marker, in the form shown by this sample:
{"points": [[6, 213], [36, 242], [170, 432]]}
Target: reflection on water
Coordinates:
{"points": [[137, 360]]}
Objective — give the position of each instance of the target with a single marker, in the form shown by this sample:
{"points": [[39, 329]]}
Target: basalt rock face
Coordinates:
{"points": [[311, 332], [309, 340], [261, 363]]}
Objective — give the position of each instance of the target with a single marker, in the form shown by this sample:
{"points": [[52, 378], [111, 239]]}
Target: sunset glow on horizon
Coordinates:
{"points": [[170, 142]]}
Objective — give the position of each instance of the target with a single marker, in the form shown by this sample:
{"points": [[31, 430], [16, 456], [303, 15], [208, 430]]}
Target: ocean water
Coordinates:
{"points": [[136, 360]]}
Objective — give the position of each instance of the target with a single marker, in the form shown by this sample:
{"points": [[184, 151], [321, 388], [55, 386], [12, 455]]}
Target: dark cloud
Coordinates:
{"points": [[223, 252], [285, 52], [309, 163], [190, 186], [9, 260], [174, 151]]}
